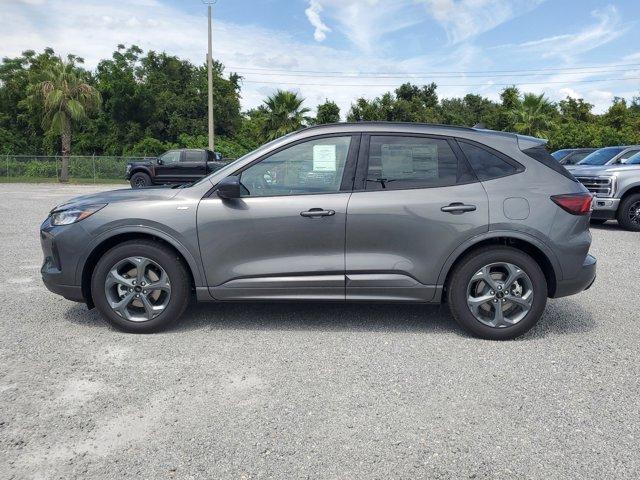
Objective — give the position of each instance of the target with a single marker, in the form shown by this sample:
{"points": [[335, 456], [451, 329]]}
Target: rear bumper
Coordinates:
{"points": [[585, 278]]}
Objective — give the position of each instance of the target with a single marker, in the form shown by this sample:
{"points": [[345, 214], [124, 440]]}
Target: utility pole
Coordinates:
{"points": [[209, 4]]}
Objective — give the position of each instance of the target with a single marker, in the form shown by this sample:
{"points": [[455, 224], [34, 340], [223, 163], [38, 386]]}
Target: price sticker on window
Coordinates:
{"points": [[324, 158]]}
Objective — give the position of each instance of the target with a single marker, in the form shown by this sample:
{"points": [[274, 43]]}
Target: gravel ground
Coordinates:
{"points": [[313, 391]]}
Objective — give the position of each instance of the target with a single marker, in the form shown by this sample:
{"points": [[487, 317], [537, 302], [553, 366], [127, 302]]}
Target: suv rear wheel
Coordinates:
{"points": [[629, 213], [497, 293], [140, 286]]}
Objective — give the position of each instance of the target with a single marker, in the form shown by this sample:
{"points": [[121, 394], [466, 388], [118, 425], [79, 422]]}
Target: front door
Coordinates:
{"points": [[284, 239], [415, 201], [168, 167]]}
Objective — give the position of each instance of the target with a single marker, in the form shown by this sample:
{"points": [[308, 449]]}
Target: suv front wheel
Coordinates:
{"points": [[140, 286], [497, 293]]}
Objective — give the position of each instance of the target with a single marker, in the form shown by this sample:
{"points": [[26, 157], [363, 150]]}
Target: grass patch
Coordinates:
{"points": [[72, 181]]}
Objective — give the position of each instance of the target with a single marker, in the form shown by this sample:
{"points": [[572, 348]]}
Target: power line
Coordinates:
{"points": [[435, 72], [450, 75], [441, 85]]}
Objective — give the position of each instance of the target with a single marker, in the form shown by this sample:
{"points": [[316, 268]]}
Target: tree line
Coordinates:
{"points": [[140, 104]]}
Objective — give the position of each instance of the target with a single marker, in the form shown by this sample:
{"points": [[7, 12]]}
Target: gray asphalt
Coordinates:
{"points": [[313, 391]]}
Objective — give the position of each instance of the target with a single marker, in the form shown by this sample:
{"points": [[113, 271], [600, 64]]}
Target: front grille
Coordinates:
{"points": [[599, 186]]}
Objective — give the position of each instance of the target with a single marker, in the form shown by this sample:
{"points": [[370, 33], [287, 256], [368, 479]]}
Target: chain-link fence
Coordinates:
{"points": [[82, 168]]}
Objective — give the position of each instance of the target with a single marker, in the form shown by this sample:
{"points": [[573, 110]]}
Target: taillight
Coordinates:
{"points": [[574, 203]]}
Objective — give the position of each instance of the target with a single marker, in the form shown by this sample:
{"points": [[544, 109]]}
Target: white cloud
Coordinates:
{"points": [[608, 27], [313, 14], [465, 19]]}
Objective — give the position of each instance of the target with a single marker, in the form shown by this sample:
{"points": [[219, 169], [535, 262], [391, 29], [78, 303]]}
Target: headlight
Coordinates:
{"points": [[128, 168], [74, 214]]}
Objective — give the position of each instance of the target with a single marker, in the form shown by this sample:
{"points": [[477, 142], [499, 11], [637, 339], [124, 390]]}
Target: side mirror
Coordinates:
{"points": [[159, 161], [229, 188]]}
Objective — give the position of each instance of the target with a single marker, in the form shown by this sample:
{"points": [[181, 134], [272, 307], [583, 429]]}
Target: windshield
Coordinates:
{"points": [[560, 154], [602, 156], [635, 160]]}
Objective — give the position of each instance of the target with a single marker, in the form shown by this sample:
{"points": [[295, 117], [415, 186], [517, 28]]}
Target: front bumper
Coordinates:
{"points": [[605, 208], [62, 247], [582, 281]]}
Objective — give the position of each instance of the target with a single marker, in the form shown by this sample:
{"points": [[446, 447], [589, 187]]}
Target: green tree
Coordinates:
{"points": [[66, 98], [284, 114], [534, 116], [328, 112]]}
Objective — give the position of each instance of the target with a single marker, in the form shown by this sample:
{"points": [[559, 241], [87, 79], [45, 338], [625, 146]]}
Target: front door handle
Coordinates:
{"points": [[317, 212], [458, 208]]}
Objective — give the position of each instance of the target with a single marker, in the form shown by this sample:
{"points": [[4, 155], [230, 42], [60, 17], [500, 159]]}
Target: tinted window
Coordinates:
{"points": [[486, 164], [627, 155], [576, 157], [635, 160], [410, 162], [170, 157], [602, 156], [193, 156], [560, 154], [540, 154], [315, 166]]}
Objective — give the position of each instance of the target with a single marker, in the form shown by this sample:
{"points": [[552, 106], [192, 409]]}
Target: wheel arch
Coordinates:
{"points": [[529, 245], [630, 191], [107, 242]]}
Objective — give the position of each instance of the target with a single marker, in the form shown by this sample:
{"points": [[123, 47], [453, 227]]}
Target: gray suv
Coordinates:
{"points": [[486, 221]]}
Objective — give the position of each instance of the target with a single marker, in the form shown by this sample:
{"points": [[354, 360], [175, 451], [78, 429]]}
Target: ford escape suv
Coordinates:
{"points": [[485, 221]]}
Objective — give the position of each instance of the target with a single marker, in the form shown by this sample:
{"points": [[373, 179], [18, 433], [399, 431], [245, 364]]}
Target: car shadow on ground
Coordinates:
{"points": [[609, 225], [563, 316]]}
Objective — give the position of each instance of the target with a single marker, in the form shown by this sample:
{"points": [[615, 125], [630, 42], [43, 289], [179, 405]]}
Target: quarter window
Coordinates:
{"points": [[315, 166], [410, 162], [486, 164]]}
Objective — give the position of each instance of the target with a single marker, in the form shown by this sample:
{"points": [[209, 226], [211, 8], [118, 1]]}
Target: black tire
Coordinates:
{"points": [[627, 207], [140, 180], [598, 221], [163, 256], [472, 263]]}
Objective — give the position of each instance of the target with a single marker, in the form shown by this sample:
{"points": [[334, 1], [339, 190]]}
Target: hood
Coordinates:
{"points": [[123, 195], [602, 170]]}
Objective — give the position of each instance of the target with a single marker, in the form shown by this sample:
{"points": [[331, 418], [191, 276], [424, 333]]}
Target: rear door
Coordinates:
{"points": [[193, 165], [415, 200]]}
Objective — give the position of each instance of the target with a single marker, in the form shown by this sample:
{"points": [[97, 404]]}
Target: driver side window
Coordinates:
{"points": [[170, 157], [315, 166]]}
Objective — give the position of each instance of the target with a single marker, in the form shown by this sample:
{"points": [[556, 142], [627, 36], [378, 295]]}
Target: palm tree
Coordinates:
{"points": [[66, 99], [534, 116], [284, 114]]}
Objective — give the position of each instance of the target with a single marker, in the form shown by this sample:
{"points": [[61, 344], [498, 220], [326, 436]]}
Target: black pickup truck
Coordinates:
{"points": [[174, 167]]}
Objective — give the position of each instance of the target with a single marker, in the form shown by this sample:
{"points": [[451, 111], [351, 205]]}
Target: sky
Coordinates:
{"points": [[345, 49]]}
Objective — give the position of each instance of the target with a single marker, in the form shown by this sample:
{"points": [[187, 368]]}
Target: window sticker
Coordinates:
{"points": [[324, 158]]}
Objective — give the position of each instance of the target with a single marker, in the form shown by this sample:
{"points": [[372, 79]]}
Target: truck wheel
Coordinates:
{"points": [[497, 293], [140, 180], [629, 213], [140, 286]]}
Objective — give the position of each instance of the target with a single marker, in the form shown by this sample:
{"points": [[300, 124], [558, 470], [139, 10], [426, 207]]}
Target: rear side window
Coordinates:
{"points": [[193, 156], [541, 155], [487, 165], [397, 162]]}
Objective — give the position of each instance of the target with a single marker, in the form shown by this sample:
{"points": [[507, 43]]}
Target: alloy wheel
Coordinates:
{"points": [[137, 289], [634, 213], [500, 294]]}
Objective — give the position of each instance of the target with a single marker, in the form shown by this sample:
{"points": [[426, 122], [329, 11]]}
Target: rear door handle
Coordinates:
{"points": [[317, 212], [458, 208]]}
